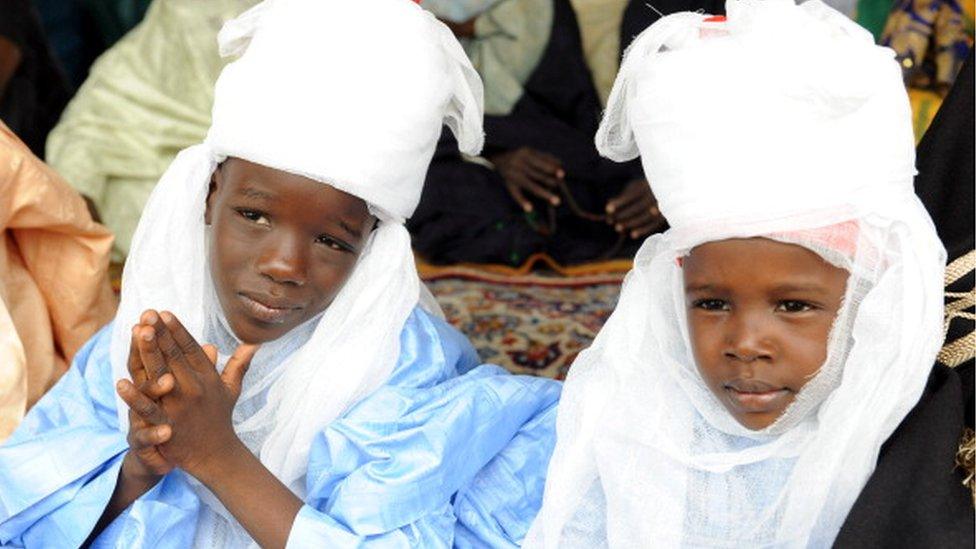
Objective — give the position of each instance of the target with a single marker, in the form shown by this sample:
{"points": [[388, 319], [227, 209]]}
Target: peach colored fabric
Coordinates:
{"points": [[54, 284]]}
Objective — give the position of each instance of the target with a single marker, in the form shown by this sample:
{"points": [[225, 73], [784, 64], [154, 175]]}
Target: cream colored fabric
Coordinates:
{"points": [[53, 277], [145, 99], [599, 24], [508, 44]]}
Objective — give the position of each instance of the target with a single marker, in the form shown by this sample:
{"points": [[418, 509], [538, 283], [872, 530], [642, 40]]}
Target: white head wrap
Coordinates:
{"points": [[782, 121], [350, 93]]}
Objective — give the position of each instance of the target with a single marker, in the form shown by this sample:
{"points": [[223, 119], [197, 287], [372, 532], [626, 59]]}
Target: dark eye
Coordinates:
{"points": [[255, 216], [794, 306], [334, 244], [711, 304]]}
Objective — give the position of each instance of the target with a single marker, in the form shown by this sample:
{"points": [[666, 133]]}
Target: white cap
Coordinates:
{"points": [[777, 110], [352, 93]]}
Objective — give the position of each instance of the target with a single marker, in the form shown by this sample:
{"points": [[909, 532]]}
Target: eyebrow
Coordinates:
{"points": [[349, 229], [257, 194]]}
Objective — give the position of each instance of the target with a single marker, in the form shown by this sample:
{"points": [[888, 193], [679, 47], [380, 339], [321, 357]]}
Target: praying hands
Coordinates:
{"points": [[180, 412]]}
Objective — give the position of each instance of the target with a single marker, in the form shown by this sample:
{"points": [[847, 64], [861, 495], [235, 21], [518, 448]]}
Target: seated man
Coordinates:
{"points": [[275, 373], [540, 186], [54, 286]]}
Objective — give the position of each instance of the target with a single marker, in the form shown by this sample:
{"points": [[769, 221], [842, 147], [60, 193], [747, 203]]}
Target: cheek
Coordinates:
{"points": [[807, 345], [705, 336], [327, 279]]}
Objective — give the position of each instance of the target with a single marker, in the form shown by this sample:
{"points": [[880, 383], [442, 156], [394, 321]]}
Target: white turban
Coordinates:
{"points": [[786, 122], [352, 93]]}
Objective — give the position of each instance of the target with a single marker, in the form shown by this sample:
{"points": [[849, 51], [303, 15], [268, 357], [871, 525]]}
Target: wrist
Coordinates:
{"points": [[136, 475], [220, 462]]}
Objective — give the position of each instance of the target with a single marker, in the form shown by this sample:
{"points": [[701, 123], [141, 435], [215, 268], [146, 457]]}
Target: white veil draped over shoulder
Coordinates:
{"points": [[352, 94], [810, 143]]}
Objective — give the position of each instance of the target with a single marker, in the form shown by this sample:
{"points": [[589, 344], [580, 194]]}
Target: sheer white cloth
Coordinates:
{"points": [[801, 147], [353, 94]]}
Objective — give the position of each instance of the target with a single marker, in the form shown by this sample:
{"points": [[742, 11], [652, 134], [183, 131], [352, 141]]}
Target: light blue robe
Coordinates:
{"points": [[383, 475], [498, 506]]}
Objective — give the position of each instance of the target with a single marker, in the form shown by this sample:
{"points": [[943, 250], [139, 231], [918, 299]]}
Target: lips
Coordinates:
{"points": [[754, 396], [268, 309]]}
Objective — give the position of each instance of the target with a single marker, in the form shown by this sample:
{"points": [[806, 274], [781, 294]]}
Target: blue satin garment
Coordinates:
{"points": [[498, 506], [383, 475]]}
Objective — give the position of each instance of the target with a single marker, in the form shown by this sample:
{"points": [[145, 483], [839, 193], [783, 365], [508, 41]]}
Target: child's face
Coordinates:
{"points": [[282, 245], [759, 314]]}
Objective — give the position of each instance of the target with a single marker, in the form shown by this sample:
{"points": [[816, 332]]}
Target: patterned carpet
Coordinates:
{"points": [[528, 323]]}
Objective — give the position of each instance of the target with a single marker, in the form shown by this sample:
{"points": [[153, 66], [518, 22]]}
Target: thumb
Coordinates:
{"points": [[237, 366]]}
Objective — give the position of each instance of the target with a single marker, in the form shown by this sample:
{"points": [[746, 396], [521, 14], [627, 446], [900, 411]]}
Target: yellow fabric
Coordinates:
{"points": [[599, 23], [145, 99], [925, 104], [53, 277]]}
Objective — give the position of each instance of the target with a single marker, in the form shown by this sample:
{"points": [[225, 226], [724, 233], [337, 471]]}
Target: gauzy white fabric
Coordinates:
{"points": [[813, 133], [352, 94]]}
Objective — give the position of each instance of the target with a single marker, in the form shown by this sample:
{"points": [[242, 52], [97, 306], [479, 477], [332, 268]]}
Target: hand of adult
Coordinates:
{"points": [[635, 210], [528, 171]]}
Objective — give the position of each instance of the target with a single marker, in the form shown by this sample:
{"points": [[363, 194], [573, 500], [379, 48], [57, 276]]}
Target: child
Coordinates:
{"points": [[278, 379], [768, 370]]}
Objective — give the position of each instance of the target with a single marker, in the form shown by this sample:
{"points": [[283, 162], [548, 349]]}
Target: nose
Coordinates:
{"points": [[748, 338], [283, 260]]}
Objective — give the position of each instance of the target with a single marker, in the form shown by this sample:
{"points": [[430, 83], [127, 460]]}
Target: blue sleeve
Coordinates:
{"points": [[59, 468], [431, 351], [387, 472], [498, 506]]}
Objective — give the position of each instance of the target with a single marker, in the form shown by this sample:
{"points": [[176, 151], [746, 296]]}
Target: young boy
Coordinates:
{"points": [[766, 379], [278, 379]]}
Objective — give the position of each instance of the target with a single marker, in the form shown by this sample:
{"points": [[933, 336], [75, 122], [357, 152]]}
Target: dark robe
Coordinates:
{"points": [[38, 90], [915, 497], [467, 215]]}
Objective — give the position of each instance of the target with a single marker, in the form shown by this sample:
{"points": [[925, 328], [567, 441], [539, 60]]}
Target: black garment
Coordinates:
{"points": [[945, 180], [946, 185], [466, 214], [38, 90], [915, 497]]}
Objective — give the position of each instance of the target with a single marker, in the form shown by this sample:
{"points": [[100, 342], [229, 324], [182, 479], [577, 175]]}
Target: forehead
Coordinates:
{"points": [[755, 261], [288, 191]]}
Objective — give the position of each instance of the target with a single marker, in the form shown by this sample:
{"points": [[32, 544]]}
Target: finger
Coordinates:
{"points": [[541, 192], [516, 193], [192, 350], [628, 195], [634, 210], [159, 388], [140, 403], [647, 229], [211, 352], [136, 370], [176, 360], [150, 436], [546, 164], [237, 366], [154, 363], [543, 177]]}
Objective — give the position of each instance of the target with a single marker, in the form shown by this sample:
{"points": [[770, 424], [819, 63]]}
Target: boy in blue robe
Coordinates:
{"points": [[276, 373]]}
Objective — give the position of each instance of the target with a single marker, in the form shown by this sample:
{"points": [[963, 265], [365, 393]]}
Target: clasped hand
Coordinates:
{"points": [[179, 405]]}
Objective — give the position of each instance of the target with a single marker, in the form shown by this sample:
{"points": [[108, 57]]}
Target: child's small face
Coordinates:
{"points": [[759, 315], [282, 246]]}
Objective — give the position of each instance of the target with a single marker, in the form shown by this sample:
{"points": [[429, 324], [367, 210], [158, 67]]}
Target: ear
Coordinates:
{"points": [[211, 191]]}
